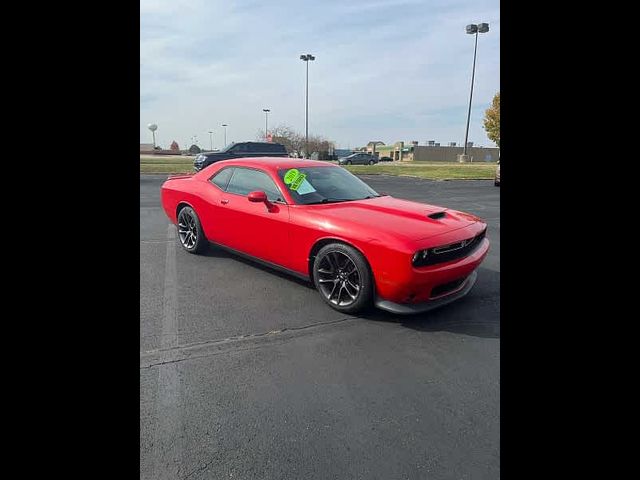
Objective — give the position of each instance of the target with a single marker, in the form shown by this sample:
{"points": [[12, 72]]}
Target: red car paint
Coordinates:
{"points": [[386, 230]]}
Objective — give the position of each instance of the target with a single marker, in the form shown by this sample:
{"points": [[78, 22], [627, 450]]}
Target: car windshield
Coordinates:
{"points": [[312, 185], [227, 148]]}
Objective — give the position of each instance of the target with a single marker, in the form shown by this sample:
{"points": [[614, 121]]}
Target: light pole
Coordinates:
{"points": [[471, 30], [266, 122], [225, 133], [153, 127], [211, 139], [307, 58]]}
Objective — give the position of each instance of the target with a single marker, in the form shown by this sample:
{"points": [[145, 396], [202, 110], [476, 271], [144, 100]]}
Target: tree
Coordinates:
{"points": [[492, 120], [294, 142], [193, 149], [175, 146], [320, 145], [284, 135]]}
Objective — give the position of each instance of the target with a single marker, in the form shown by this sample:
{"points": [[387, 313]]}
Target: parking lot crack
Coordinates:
{"points": [[179, 353]]}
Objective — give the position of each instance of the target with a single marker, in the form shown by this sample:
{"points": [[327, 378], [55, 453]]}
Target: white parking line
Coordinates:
{"points": [[168, 441]]}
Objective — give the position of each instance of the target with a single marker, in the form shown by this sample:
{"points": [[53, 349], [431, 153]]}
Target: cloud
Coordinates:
{"points": [[384, 69]]}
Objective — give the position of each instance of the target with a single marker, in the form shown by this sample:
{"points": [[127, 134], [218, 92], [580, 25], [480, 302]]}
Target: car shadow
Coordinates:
{"points": [[215, 251], [477, 314]]}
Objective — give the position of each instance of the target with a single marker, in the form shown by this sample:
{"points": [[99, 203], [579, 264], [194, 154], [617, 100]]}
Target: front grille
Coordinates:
{"points": [[445, 288], [453, 251]]}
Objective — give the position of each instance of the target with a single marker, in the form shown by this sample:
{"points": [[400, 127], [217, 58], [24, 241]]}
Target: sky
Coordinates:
{"points": [[387, 70]]}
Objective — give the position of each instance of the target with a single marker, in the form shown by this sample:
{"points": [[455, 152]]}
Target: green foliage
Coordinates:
{"points": [[492, 120]]}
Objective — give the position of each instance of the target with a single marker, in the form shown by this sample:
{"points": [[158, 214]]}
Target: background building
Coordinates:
{"points": [[431, 152]]}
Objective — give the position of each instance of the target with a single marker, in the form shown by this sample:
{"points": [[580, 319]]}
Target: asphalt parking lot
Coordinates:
{"points": [[246, 373]]}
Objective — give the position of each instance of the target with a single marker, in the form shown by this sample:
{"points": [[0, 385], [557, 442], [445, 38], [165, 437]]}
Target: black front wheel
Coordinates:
{"points": [[190, 231], [343, 278], [371, 162]]}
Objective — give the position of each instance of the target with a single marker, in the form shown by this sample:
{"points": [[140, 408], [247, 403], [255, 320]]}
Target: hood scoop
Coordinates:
{"points": [[437, 215]]}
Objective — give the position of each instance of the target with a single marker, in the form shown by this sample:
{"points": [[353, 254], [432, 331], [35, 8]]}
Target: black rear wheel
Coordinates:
{"points": [[190, 231], [343, 278]]}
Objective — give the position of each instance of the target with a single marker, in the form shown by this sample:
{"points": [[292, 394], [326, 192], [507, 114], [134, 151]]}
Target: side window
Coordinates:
{"points": [[240, 148], [245, 181], [221, 179], [272, 148]]}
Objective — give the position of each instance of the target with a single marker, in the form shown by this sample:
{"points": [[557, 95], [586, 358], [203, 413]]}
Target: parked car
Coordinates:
{"points": [[240, 150], [386, 159], [358, 159], [496, 182], [319, 222]]}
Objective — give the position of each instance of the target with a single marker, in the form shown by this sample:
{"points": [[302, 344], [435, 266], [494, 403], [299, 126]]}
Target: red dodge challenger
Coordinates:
{"points": [[317, 221]]}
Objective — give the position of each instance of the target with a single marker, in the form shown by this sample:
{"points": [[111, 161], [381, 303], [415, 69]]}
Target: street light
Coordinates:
{"points": [[266, 123], [471, 30], [211, 139], [307, 58], [153, 127], [225, 133]]}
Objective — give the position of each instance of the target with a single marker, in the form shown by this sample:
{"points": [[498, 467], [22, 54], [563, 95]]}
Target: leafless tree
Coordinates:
{"points": [[294, 142]]}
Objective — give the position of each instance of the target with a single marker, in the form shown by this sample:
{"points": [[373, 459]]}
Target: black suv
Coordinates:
{"points": [[239, 150]]}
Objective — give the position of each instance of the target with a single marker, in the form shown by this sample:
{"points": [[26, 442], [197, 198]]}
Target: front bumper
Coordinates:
{"points": [[410, 308]]}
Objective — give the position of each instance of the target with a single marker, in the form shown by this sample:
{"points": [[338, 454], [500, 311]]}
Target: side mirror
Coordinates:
{"points": [[258, 197], [261, 197]]}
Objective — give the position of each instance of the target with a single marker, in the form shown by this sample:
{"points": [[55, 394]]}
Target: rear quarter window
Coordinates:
{"points": [[221, 179]]}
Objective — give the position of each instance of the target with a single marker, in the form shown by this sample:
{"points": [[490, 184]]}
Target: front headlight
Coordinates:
{"points": [[419, 256]]}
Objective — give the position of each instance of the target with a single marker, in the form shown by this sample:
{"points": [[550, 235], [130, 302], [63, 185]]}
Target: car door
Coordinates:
{"points": [[362, 159], [252, 228], [212, 213]]}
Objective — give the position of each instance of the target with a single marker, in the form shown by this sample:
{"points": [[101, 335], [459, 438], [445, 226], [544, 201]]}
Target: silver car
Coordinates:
{"points": [[358, 159]]}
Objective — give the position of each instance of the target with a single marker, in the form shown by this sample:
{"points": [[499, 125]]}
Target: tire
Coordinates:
{"points": [[371, 162], [348, 162], [343, 291], [189, 227]]}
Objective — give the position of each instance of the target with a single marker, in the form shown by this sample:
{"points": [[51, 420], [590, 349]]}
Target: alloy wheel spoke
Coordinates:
{"points": [[326, 280], [340, 292], [335, 285], [355, 287], [331, 262]]}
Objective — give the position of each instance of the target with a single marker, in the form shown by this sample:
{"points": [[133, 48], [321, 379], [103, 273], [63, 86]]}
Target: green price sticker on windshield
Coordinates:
{"points": [[297, 182], [294, 178], [291, 175]]}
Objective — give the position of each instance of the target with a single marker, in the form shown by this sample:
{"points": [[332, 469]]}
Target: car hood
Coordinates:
{"points": [[404, 218]]}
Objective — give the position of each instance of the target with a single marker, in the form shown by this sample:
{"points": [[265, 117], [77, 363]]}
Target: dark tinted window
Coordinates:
{"points": [[239, 148], [253, 148], [273, 148], [221, 179], [245, 181]]}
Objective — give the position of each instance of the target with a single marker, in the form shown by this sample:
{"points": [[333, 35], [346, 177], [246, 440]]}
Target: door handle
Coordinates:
{"points": [[224, 202]]}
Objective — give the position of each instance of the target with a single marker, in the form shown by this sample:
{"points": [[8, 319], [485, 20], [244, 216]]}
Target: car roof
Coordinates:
{"points": [[272, 164]]}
